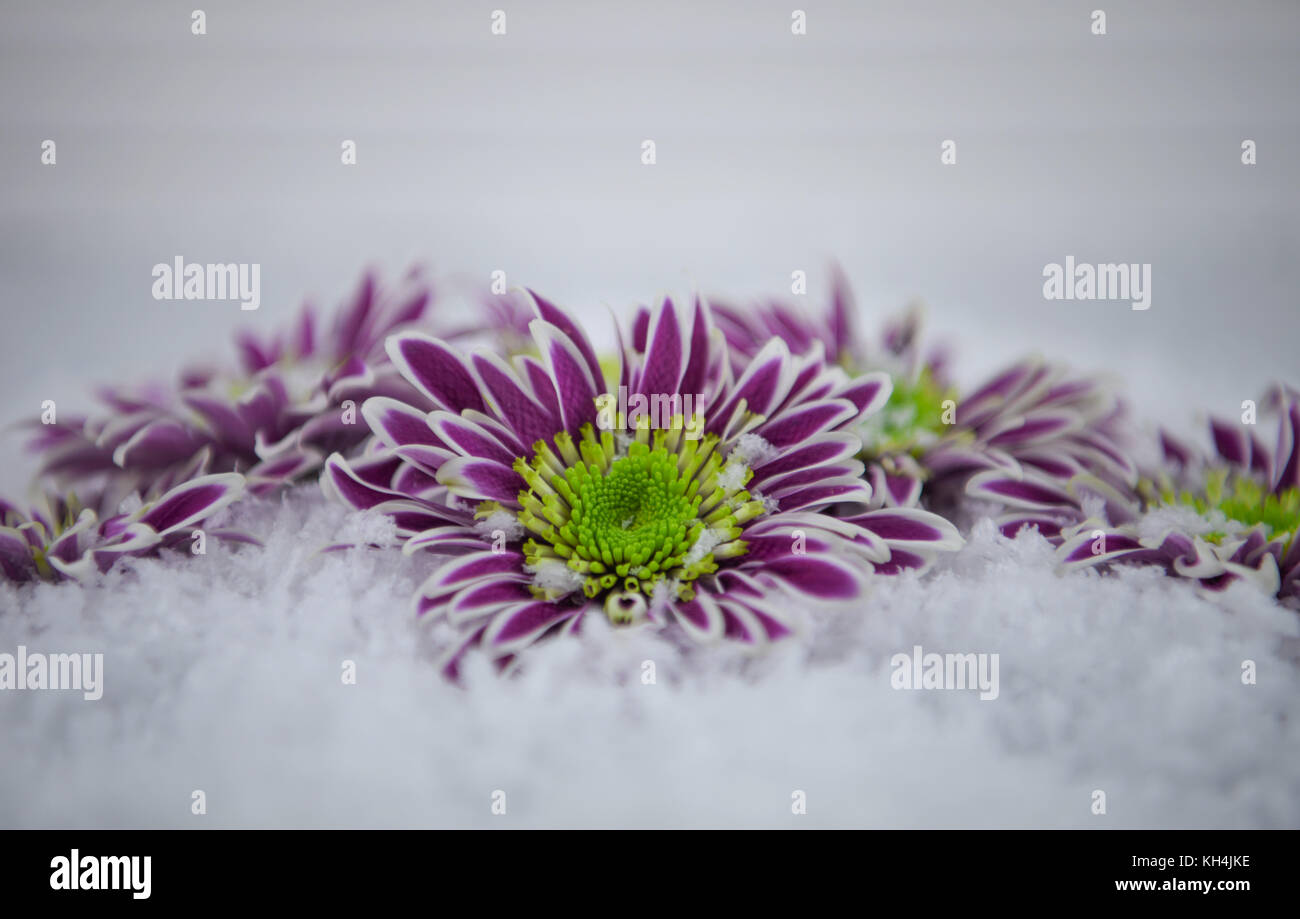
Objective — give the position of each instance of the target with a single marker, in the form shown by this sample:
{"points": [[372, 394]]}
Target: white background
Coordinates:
{"points": [[775, 152]]}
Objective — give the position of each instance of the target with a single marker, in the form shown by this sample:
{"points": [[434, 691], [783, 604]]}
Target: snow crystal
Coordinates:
{"points": [[500, 520], [1158, 522], [708, 540], [553, 574], [732, 476], [368, 528], [751, 450], [770, 505]]}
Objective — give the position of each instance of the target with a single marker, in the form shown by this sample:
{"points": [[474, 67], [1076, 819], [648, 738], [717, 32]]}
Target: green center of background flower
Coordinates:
{"points": [[911, 419], [1243, 500], [623, 524]]}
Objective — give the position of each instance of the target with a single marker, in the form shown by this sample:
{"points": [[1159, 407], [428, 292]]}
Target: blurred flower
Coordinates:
{"points": [[1032, 417], [293, 399], [559, 506], [61, 539], [1215, 519]]}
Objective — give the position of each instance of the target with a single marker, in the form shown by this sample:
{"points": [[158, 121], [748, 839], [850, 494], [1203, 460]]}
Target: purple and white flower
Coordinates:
{"points": [[62, 539], [1214, 518], [1217, 519], [557, 507], [292, 400], [928, 439]]}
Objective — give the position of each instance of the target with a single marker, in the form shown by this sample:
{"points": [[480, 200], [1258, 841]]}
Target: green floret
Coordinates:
{"points": [[911, 418], [663, 512], [1243, 500]]}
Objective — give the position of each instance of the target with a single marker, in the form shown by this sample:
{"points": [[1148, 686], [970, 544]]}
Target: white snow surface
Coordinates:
{"points": [[223, 673]]}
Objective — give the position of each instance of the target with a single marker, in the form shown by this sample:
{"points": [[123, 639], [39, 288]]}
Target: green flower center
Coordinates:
{"points": [[1243, 500], [624, 524], [911, 419]]}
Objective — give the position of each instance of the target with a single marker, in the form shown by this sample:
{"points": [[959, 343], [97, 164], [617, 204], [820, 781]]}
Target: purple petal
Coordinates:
{"points": [[825, 448], [519, 626], [869, 393], [352, 488], [663, 361], [481, 479], [1028, 493], [1175, 451], [763, 384], [514, 404], [1112, 543], [701, 617], [895, 490], [1033, 428], [158, 443], [253, 355], [824, 577], [831, 492], [901, 560], [910, 525], [193, 501], [543, 389], [561, 320], [481, 599], [225, 422], [16, 562], [437, 370], [798, 425], [1011, 526], [572, 377], [1231, 442], [469, 568], [1288, 449], [396, 423], [696, 371], [842, 316], [469, 438]]}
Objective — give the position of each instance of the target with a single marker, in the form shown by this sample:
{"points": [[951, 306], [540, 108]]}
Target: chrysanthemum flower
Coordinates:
{"points": [[1213, 519], [293, 400], [562, 499], [61, 538], [1032, 417]]}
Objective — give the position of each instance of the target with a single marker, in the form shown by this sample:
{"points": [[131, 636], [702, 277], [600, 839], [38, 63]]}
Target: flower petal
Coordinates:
{"points": [[572, 377], [436, 369], [193, 501], [481, 479]]}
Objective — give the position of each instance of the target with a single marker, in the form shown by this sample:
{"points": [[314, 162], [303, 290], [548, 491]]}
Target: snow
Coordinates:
{"points": [[223, 673], [732, 476], [708, 540], [500, 521], [752, 450], [552, 574]]}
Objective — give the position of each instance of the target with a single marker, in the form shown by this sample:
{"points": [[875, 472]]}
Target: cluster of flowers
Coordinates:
{"points": [[813, 461]]}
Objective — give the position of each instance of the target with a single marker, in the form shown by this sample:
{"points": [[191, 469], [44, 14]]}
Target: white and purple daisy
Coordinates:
{"points": [[692, 499], [1032, 416], [1215, 519], [62, 539], [292, 400]]}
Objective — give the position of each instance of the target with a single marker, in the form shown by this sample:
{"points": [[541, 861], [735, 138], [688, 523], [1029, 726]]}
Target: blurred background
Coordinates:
{"points": [[776, 152]]}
